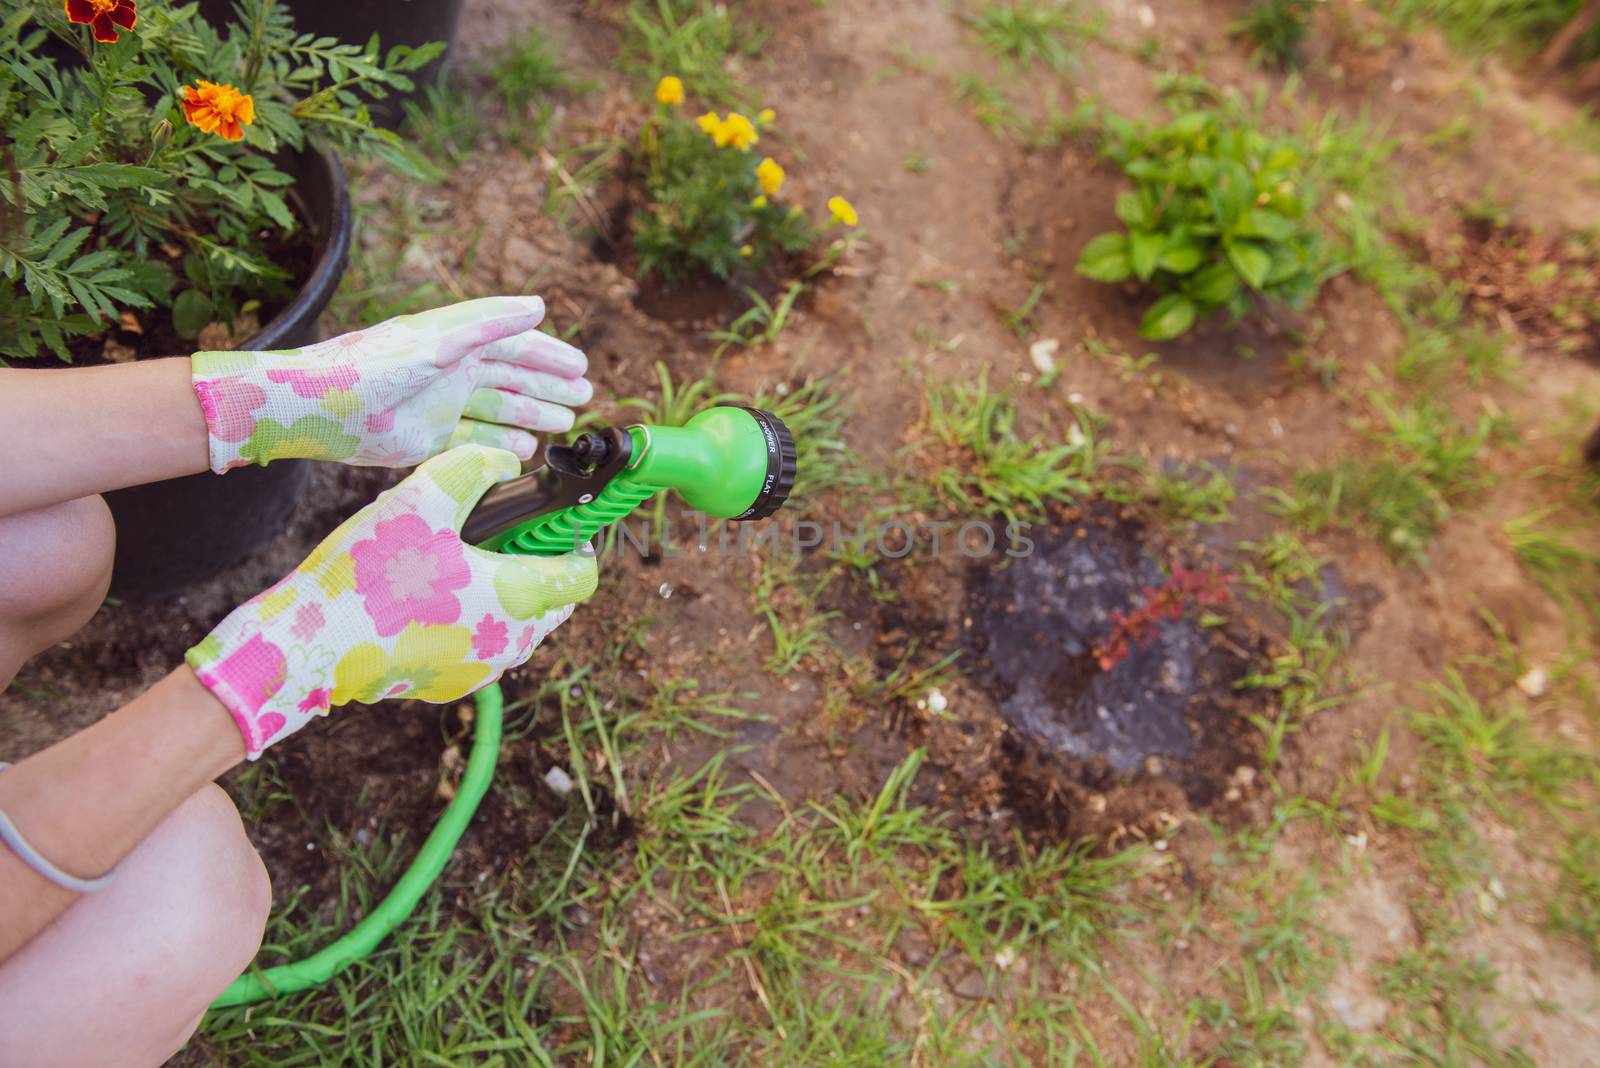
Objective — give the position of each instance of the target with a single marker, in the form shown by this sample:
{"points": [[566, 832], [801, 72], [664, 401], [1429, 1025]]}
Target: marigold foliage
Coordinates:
{"points": [[712, 205], [119, 191]]}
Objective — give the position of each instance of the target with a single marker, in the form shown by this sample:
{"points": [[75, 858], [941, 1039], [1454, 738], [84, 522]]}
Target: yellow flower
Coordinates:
{"points": [[770, 175], [767, 115], [738, 131], [735, 130], [218, 108], [759, 202], [430, 662], [843, 211], [747, 250], [669, 90]]}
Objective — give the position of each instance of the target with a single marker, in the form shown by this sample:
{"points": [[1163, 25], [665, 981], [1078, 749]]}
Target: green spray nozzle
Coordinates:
{"points": [[732, 463]]}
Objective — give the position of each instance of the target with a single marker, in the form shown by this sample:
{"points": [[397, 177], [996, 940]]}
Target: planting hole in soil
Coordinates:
{"points": [[1165, 717]]}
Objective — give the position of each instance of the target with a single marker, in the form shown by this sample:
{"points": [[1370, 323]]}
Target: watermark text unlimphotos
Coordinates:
{"points": [[890, 538]]}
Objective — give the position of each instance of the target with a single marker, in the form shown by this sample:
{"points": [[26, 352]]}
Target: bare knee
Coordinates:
{"points": [[227, 888], [55, 567], [124, 975]]}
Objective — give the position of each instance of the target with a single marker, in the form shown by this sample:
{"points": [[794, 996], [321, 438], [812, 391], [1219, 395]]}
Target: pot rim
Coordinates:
{"points": [[317, 288]]}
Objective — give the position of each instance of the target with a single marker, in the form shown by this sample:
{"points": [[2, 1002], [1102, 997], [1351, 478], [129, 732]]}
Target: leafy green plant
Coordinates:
{"points": [[1278, 27], [713, 204], [1220, 213], [144, 174]]}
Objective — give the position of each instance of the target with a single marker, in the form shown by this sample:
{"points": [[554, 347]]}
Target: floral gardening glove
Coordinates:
{"points": [[394, 394], [391, 604]]}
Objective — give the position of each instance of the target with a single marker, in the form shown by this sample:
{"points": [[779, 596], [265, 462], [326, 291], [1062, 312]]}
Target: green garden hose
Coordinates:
{"points": [[363, 938], [733, 463]]}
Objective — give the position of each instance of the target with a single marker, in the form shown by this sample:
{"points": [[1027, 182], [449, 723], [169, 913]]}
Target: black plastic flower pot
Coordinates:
{"points": [[409, 22], [177, 533]]}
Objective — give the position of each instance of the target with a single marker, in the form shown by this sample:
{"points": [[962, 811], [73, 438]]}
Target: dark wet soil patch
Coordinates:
{"points": [[1092, 748]]}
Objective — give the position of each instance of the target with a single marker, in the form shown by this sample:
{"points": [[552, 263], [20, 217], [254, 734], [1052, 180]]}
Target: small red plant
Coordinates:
{"points": [[1170, 600]]}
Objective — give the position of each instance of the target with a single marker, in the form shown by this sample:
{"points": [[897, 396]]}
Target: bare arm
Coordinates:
{"points": [[90, 429], [85, 802]]}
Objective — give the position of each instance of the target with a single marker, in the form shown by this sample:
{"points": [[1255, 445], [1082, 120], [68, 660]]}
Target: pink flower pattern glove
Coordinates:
{"points": [[391, 604], [394, 394]]}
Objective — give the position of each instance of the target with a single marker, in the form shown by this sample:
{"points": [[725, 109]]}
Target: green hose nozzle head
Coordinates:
{"points": [[732, 463]]}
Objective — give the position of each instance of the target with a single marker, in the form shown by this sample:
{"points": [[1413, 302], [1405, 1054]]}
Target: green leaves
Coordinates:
{"points": [[1144, 249], [112, 187], [707, 214], [1251, 261], [1168, 317], [1219, 211], [1105, 259], [191, 312]]}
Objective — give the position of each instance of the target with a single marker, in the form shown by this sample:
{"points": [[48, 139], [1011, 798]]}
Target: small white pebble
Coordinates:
{"points": [[1043, 354], [937, 702], [1534, 682], [559, 781], [665, 590]]}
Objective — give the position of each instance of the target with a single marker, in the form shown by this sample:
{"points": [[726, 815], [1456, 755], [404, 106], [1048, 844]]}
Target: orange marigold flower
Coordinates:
{"points": [[218, 109], [103, 17]]}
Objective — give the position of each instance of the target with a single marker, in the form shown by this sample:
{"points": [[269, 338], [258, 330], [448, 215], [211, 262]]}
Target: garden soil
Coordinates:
{"points": [[1023, 742]]}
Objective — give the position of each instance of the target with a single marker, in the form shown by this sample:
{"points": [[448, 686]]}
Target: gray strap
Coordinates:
{"points": [[31, 857]]}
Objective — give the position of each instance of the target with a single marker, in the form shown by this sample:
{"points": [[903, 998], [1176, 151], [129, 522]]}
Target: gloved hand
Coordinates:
{"points": [[391, 604], [394, 394]]}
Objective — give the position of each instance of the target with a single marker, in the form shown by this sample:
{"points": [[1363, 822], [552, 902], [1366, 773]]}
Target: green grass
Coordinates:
{"points": [[1276, 28], [789, 604], [1485, 25], [526, 70], [1029, 32], [761, 323], [1576, 908], [696, 40], [1430, 461], [1558, 559], [1439, 357], [446, 124], [1194, 494], [1019, 320], [999, 115], [988, 467]]}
